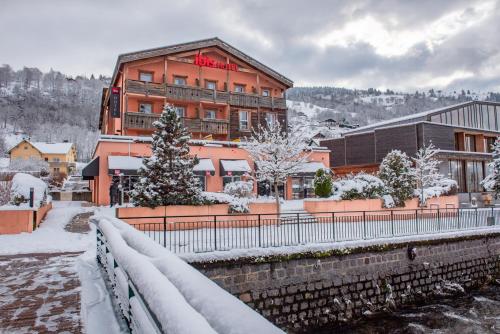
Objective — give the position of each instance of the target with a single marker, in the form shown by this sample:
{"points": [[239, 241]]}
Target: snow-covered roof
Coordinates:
{"points": [[52, 148], [124, 162], [204, 165], [236, 166], [311, 167]]}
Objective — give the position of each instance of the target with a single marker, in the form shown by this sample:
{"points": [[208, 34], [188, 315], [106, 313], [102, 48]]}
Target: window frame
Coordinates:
{"points": [[268, 90], [183, 111], [205, 111], [151, 73], [274, 115], [237, 85], [183, 77], [214, 82], [140, 103], [247, 120]]}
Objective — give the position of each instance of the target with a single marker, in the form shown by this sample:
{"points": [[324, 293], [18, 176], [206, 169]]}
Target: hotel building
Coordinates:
{"points": [[463, 133], [220, 95]]}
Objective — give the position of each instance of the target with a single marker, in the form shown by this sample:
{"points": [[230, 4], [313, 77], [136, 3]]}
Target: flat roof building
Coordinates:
{"points": [[463, 133]]}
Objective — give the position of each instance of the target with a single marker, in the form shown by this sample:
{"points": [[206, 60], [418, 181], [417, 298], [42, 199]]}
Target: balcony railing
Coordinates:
{"points": [[189, 93], [136, 120]]}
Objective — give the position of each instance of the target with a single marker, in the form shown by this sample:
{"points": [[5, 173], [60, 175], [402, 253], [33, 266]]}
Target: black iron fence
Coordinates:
{"points": [[192, 234]]}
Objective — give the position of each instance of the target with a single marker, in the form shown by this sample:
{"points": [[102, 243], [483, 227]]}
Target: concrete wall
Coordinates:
{"points": [[304, 292]]}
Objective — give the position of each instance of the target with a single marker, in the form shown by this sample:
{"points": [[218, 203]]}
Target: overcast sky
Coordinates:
{"points": [[403, 45]]}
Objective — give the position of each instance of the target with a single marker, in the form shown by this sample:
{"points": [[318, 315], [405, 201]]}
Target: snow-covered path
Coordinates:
{"points": [[55, 256]]}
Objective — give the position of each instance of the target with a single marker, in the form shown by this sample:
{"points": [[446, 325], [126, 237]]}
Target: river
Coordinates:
{"points": [[474, 313]]}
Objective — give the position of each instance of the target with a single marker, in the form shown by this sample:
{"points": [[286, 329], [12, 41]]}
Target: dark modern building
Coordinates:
{"points": [[463, 133]]}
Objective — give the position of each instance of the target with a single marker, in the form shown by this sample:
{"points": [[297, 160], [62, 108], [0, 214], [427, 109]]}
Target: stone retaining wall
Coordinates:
{"points": [[303, 292]]}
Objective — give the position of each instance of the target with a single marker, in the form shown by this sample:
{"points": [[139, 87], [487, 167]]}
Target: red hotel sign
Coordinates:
{"points": [[201, 60]]}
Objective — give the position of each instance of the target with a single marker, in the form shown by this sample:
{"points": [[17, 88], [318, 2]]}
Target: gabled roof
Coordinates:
{"points": [[47, 148], [205, 43]]}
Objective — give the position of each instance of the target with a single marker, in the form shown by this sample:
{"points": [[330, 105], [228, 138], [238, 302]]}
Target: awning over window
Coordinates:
{"points": [[123, 165], [234, 167], [310, 168], [91, 170], [204, 167]]}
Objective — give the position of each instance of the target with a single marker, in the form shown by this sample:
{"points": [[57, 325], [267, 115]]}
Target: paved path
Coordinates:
{"points": [[39, 293]]}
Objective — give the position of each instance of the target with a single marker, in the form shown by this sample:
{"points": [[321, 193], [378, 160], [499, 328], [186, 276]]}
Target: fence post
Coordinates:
{"points": [[298, 228], [458, 223], [165, 231], [258, 219], [477, 224], [416, 220], [364, 224], [439, 221], [215, 231], [392, 223], [333, 225]]}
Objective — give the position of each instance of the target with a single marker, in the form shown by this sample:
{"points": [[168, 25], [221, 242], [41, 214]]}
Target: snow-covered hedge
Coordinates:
{"points": [[20, 190], [443, 188], [240, 189], [359, 186], [236, 205]]}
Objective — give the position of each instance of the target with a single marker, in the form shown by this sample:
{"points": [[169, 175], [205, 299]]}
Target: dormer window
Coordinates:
{"points": [[145, 76], [178, 80]]}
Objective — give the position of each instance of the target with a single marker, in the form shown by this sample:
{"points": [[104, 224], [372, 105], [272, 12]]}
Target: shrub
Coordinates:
{"points": [[359, 186], [397, 174], [323, 183], [240, 189]]}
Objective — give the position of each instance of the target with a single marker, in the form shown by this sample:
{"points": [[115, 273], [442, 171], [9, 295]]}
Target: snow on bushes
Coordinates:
{"points": [[236, 205], [20, 190], [359, 186], [442, 188], [396, 173], [240, 189]]}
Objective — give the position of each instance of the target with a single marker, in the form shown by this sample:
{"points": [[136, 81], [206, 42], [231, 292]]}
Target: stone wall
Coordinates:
{"points": [[304, 292]]}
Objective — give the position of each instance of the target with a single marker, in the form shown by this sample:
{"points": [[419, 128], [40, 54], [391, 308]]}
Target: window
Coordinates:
{"points": [[229, 179], [56, 160], [47, 159], [470, 143], [271, 118], [210, 85], [488, 144], [146, 108], [180, 80], [244, 124], [239, 88], [266, 92], [56, 169], [210, 114], [180, 111], [146, 76], [25, 147]]}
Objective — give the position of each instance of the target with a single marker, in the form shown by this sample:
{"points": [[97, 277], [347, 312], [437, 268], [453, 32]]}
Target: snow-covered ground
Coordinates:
{"points": [[97, 310]]}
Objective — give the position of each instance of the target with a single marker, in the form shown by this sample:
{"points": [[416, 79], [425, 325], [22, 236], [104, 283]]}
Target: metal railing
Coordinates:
{"points": [[192, 234]]}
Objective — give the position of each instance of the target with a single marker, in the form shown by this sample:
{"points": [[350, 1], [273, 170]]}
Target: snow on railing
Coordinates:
{"points": [[157, 292]]}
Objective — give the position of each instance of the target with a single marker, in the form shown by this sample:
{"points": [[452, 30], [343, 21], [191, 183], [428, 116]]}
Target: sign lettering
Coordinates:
{"points": [[114, 102], [205, 61]]}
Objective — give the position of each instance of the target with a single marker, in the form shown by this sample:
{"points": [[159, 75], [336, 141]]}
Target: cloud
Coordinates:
{"points": [[403, 45]]}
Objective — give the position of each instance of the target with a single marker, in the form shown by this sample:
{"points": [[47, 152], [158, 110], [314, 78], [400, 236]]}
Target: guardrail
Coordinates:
{"points": [[192, 234]]}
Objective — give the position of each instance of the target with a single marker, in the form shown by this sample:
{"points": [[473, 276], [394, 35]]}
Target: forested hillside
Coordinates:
{"points": [[50, 107]]}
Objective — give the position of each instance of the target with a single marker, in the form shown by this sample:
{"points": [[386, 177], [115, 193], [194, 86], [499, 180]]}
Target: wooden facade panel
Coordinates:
{"points": [[442, 137], [403, 138], [360, 149], [337, 151]]}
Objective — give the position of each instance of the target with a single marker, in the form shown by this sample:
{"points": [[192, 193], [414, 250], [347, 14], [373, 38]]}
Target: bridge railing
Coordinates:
{"points": [[193, 234]]}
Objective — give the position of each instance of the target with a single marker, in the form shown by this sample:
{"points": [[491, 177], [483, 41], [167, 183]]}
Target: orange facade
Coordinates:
{"points": [[220, 95]]}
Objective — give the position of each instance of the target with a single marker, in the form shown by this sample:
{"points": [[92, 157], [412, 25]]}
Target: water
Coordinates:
{"points": [[475, 313]]}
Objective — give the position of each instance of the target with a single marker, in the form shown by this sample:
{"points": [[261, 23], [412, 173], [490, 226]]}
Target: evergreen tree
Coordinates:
{"points": [[492, 180], [397, 174], [167, 177], [323, 183]]}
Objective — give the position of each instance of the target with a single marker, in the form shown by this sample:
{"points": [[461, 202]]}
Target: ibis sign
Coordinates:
{"points": [[205, 61]]}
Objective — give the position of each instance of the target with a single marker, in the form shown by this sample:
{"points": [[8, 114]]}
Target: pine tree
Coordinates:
{"points": [[492, 180], [167, 178], [397, 174], [323, 184]]}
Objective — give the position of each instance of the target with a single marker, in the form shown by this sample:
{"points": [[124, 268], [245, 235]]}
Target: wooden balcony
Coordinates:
{"points": [[136, 120], [197, 94]]}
